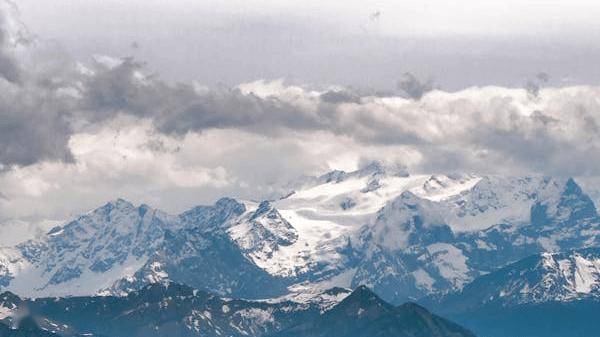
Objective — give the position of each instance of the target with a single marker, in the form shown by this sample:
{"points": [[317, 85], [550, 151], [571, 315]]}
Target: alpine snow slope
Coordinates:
{"points": [[405, 236]]}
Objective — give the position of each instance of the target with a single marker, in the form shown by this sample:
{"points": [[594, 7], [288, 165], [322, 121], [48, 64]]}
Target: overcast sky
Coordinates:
{"points": [[458, 43], [176, 103]]}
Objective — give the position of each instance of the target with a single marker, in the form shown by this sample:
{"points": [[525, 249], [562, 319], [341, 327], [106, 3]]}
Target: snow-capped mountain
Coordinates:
{"points": [[416, 245], [547, 294], [203, 254], [261, 233], [88, 253], [329, 213], [540, 278], [406, 236]]}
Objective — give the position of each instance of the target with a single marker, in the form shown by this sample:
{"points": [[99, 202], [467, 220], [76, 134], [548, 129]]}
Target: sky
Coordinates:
{"points": [[177, 103], [458, 43]]}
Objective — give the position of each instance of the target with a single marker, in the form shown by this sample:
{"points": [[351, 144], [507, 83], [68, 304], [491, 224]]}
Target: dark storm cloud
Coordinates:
{"points": [[33, 121], [32, 129], [178, 109]]}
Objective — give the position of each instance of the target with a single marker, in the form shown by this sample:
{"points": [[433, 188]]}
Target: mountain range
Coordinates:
{"points": [[176, 310], [461, 241], [548, 294]]}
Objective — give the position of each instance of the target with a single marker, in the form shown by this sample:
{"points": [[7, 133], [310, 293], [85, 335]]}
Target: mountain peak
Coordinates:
{"points": [[362, 288], [361, 299], [332, 176], [8, 296], [213, 217], [119, 203], [363, 313], [380, 168], [372, 168], [263, 207], [363, 292], [263, 231], [408, 195], [571, 187], [407, 199], [225, 202]]}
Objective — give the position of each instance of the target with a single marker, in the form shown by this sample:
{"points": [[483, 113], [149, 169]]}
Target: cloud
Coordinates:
{"points": [[31, 128], [34, 122], [339, 96], [121, 159], [533, 85], [413, 87], [73, 135], [462, 130], [10, 37]]}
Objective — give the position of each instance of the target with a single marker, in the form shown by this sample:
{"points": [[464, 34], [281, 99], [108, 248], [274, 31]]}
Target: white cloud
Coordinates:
{"points": [[157, 140]]}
